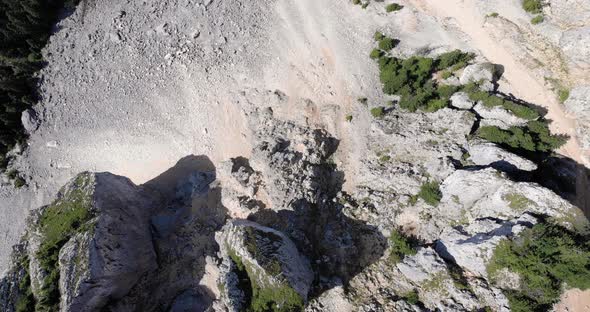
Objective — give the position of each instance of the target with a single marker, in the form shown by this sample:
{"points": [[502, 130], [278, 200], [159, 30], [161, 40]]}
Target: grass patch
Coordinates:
{"points": [[378, 112], [386, 43], [430, 193], [546, 257], [493, 14], [64, 218], [533, 6], [412, 297], [534, 137], [401, 246], [393, 7], [518, 202], [537, 19], [563, 95]]}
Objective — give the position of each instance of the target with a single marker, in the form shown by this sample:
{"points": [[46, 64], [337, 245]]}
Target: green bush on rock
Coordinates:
{"points": [[401, 246], [534, 137], [430, 193], [547, 257]]}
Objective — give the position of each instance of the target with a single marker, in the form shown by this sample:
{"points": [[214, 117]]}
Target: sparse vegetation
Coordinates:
{"points": [[491, 100], [518, 202], [378, 112], [493, 14], [57, 224], [348, 118], [262, 297], [534, 137], [387, 43], [563, 94], [26, 300], [393, 7], [430, 193], [412, 297], [547, 257], [533, 6], [401, 246], [537, 19]]}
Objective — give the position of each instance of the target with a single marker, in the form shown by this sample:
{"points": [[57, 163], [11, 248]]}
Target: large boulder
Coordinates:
{"points": [[461, 100], [267, 261]]}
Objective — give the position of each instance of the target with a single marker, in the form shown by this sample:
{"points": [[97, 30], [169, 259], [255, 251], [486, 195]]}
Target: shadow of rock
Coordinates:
{"points": [[183, 224]]}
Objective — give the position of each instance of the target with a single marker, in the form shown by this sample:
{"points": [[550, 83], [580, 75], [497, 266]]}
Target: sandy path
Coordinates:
{"points": [[520, 80]]}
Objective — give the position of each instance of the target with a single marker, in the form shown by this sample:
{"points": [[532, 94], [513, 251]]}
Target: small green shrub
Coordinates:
{"points": [[546, 257], [533, 6], [563, 95], [26, 300], [401, 246], [365, 5], [356, 2], [490, 100], [393, 7], [19, 182], [376, 54], [378, 36], [493, 14], [446, 74], [537, 19], [436, 104], [430, 193], [378, 112], [412, 297], [387, 43], [454, 57], [348, 118]]}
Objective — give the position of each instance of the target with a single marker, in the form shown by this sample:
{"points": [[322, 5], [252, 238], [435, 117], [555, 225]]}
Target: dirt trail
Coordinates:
{"points": [[520, 81]]}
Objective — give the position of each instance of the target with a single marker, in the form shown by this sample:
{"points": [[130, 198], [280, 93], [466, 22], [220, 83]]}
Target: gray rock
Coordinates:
{"points": [[578, 104], [487, 73], [30, 120], [461, 100], [483, 153]]}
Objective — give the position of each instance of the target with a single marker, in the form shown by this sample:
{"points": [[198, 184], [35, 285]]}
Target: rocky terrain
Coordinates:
{"points": [[257, 165]]}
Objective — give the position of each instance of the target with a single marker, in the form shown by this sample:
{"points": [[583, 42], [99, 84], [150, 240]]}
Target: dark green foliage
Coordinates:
{"points": [[401, 246], [452, 58], [546, 257], [393, 7], [533, 6], [378, 112], [491, 100], [376, 54], [534, 137], [412, 297], [378, 36], [411, 78], [57, 224], [430, 193], [387, 43], [25, 26], [563, 95], [537, 19]]}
